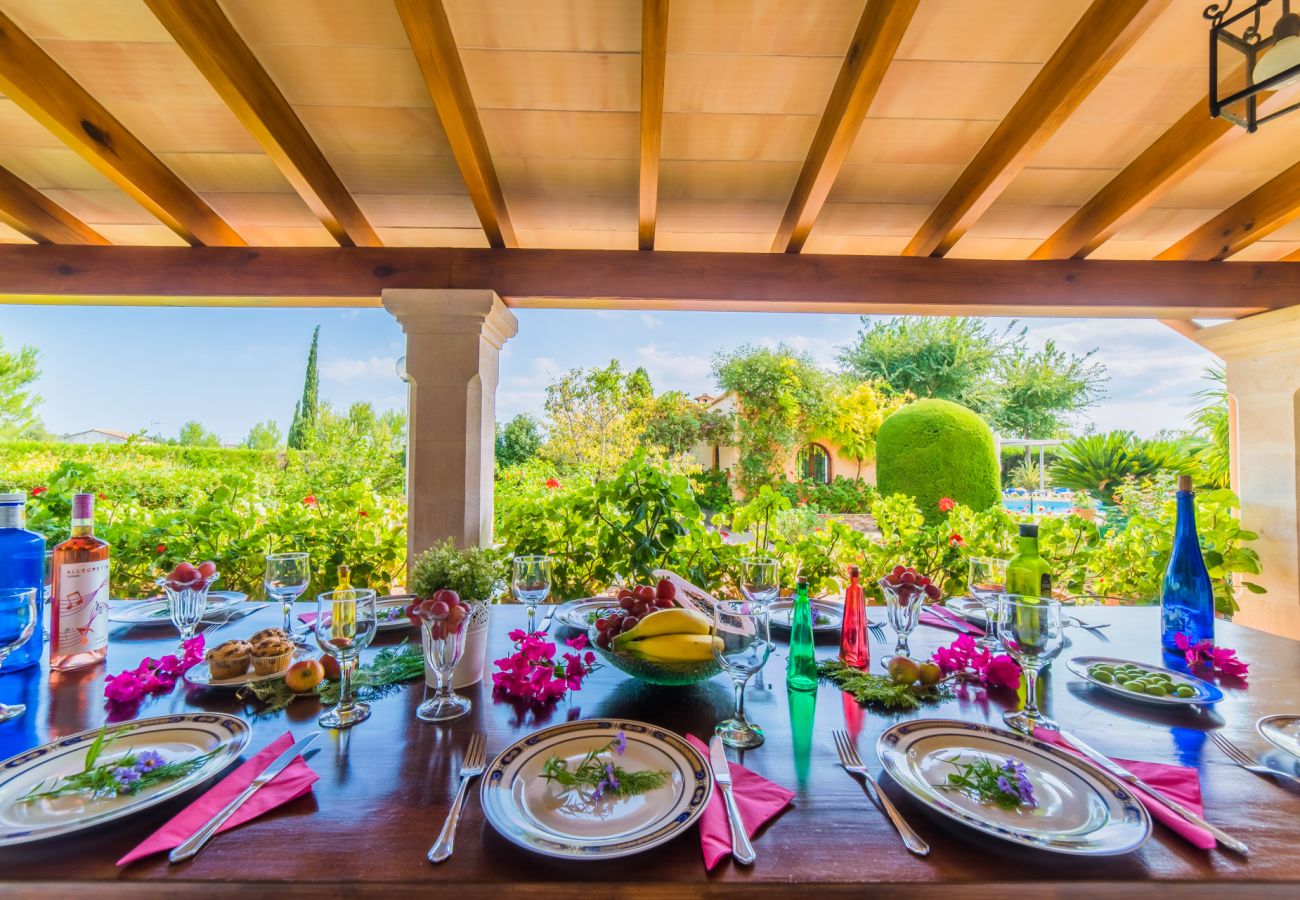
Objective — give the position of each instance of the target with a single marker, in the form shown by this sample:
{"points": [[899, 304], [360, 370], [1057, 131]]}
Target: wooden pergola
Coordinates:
{"points": [[929, 156]]}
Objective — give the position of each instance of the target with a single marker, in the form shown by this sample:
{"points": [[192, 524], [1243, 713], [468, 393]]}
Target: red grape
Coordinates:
{"points": [[932, 591], [624, 593], [644, 592], [665, 603], [639, 608], [602, 640], [602, 624], [625, 602], [898, 571], [629, 622], [908, 577], [923, 580]]}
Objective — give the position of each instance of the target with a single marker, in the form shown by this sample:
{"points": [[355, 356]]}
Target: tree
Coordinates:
{"points": [[1039, 392], [676, 424], [17, 402], [307, 411], [1212, 436], [945, 358], [595, 417], [856, 413], [263, 436], [518, 440], [781, 397], [193, 434]]}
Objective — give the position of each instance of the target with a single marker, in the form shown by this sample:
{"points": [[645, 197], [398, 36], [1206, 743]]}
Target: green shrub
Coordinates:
{"points": [[1099, 463], [842, 495], [713, 490], [475, 573], [933, 449]]}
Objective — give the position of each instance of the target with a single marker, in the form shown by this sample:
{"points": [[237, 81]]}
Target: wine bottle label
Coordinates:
{"points": [[83, 608]]}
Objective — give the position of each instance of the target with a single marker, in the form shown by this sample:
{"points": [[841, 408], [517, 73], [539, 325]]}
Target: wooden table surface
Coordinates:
{"points": [[385, 786]]}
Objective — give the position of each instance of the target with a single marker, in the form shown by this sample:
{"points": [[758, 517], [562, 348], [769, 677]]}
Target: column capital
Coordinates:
{"points": [[1276, 331], [452, 311]]}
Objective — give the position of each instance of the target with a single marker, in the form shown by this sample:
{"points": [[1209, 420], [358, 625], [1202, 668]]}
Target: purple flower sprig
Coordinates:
{"points": [[1005, 785], [130, 773], [602, 774]]}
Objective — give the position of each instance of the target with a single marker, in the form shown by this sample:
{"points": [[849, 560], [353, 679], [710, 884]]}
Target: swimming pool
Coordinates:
{"points": [[1021, 504]]}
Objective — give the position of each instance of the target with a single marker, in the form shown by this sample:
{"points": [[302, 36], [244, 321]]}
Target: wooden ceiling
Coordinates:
{"points": [[986, 129]]}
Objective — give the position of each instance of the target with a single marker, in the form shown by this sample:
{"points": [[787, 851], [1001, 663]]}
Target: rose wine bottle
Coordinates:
{"points": [[79, 608], [854, 649]]}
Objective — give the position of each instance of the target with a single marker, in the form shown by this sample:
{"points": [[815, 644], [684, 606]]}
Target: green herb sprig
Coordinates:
{"points": [[604, 776], [128, 774], [1005, 785], [878, 690], [380, 676]]}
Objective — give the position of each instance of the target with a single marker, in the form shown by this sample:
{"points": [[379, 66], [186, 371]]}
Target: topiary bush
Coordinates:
{"points": [[933, 449]]}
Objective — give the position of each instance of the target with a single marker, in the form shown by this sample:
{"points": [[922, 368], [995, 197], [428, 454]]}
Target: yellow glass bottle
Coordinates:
{"points": [[344, 618]]}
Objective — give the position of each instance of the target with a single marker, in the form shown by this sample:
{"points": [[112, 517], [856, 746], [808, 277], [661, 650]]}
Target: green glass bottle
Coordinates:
{"points": [[801, 667], [1028, 573]]}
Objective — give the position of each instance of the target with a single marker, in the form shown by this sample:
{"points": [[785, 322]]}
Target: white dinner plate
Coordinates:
{"points": [[548, 819], [155, 612], [1081, 810], [576, 613], [1282, 732], [175, 738], [1205, 692], [967, 608], [201, 676], [390, 610], [782, 611]]}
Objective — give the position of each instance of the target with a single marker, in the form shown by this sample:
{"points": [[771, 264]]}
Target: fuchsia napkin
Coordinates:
{"points": [[1177, 782], [292, 783], [941, 617], [759, 800]]}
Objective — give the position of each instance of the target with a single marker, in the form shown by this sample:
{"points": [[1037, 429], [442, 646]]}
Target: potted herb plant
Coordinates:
{"points": [[475, 574]]}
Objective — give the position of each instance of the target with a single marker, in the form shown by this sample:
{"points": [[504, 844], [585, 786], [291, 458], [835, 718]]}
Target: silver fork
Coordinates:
{"points": [[851, 762], [471, 766], [878, 629], [1245, 760]]}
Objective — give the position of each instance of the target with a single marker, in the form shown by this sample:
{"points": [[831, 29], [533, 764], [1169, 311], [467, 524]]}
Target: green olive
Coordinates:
{"points": [[1185, 690], [1157, 690], [1103, 677]]}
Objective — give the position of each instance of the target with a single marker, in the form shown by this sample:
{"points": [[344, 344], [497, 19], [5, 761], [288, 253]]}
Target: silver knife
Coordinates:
{"points": [[546, 619], [194, 843], [741, 849], [1124, 774]]}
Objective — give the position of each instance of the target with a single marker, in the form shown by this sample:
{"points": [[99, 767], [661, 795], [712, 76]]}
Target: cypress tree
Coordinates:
{"points": [[306, 410]]}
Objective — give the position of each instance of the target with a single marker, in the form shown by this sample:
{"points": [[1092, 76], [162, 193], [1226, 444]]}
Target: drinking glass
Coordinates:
{"points": [[903, 605], [742, 644], [531, 583], [758, 579], [443, 636], [287, 575], [1030, 629], [186, 602], [18, 612], [988, 581], [345, 623]]}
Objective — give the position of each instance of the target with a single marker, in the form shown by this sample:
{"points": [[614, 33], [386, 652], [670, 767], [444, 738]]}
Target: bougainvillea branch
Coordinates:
{"points": [[1204, 654], [531, 674], [970, 662]]}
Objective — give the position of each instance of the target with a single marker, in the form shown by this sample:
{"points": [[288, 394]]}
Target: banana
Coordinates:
{"points": [[674, 647], [665, 621]]}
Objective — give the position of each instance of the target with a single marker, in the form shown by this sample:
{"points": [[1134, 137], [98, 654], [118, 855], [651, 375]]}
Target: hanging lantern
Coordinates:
{"points": [[1254, 52]]}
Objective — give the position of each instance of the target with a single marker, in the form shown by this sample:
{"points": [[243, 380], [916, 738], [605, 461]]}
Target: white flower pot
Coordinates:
{"points": [[469, 670]]}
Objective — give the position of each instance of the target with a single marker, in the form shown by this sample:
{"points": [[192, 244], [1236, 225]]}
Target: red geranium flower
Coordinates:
{"points": [[362, 512], [37, 491], [552, 484], [161, 549], [956, 540], [309, 500], [946, 504], [102, 496]]}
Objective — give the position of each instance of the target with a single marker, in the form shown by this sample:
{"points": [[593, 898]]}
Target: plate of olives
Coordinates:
{"points": [[1143, 682]]}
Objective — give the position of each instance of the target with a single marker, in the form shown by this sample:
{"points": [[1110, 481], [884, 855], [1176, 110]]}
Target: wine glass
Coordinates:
{"points": [[287, 575], [903, 605], [742, 642], [18, 612], [345, 623], [531, 583], [988, 581], [758, 579], [1031, 630], [186, 601], [443, 630]]}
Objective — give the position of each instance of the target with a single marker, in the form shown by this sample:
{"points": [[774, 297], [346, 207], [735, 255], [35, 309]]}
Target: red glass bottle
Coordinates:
{"points": [[79, 607], [854, 649]]}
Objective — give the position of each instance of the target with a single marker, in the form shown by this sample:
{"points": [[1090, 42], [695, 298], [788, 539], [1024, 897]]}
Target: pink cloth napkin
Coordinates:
{"points": [[945, 618], [759, 800], [292, 783], [1176, 782], [307, 618]]}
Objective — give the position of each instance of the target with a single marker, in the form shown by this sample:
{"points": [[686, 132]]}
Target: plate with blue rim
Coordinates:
{"points": [[1080, 809], [157, 612], [827, 616], [216, 738], [579, 614], [1204, 692], [570, 823]]}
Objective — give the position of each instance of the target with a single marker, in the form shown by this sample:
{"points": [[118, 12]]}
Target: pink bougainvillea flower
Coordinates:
{"points": [[552, 484], [152, 676], [971, 663], [532, 677], [309, 500], [946, 504], [956, 540], [1003, 672], [1205, 654], [37, 491]]}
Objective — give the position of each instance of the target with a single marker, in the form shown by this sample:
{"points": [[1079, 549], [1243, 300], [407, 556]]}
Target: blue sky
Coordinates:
{"points": [[132, 368]]}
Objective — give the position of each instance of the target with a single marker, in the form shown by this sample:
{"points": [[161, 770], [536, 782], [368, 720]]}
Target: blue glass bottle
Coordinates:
{"points": [[22, 565], [1186, 594]]}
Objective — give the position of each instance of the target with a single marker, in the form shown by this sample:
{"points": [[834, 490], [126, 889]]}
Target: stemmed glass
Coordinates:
{"points": [[18, 612], [345, 623], [287, 576], [1031, 630], [531, 583], [186, 602], [903, 605], [988, 581], [759, 579], [742, 643], [443, 630]]}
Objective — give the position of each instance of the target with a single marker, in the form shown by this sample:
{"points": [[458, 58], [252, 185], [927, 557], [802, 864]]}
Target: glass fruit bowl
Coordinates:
{"points": [[664, 673]]}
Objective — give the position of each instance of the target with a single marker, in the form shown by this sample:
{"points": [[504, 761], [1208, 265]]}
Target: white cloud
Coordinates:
{"points": [[675, 371], [822, 350], [348, 369]]}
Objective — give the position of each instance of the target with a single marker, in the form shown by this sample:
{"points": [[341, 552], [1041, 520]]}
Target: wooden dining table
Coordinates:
{"points": [[386, 785]]}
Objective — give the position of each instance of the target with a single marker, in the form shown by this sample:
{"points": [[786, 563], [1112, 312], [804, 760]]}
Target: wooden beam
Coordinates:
{"points": [[654, 62], [881, 28], [632, 279], [1261, 212], [435, 50], [54, 98], [27, 210], [212, 43], [1186, 327], [1097, 42]]}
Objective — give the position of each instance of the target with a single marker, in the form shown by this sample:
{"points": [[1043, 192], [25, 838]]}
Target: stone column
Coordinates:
{"points": [[453, 348], [1262, 354]]}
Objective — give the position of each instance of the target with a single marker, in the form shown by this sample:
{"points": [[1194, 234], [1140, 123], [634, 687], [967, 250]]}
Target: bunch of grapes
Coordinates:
{"points": [[635, 604], [906, 575]]}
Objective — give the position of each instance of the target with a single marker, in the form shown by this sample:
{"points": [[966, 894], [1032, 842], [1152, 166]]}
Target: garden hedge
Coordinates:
{"points": [[932, 449]]}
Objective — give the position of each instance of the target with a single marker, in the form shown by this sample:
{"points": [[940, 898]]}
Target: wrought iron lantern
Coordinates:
{"points": [[1253, 52]]}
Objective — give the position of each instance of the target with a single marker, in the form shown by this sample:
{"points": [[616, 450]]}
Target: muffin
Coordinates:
{"points": [[272, 655], [266, 634], [229, 660]]}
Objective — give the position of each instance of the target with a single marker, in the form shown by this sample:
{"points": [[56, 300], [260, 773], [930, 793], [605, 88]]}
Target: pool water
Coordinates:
{"points": [[1021, 504]]}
